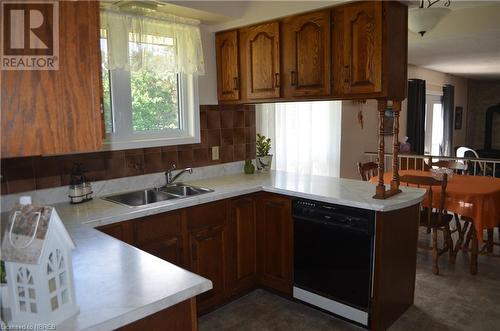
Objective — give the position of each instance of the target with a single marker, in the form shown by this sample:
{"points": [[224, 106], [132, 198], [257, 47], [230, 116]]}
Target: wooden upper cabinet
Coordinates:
{"points": [[361, 58], [260, 54], [48, 112], [228, 78], [306, 55]]}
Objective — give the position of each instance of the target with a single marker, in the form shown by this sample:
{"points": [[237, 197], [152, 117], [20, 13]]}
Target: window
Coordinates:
{"points": [[305, 136], [433, 125], [149, 93]]}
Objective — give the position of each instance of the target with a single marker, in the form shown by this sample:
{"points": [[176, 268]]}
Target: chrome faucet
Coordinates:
{"points": [[170, 178]]}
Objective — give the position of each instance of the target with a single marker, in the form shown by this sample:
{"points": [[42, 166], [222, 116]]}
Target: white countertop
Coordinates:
{"points": [[342, 191], [117, 284]]}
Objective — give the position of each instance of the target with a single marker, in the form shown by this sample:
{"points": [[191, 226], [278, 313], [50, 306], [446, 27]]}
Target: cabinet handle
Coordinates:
{"points": [[293, 78], [346, 74], [277, 79], [236, 84]]}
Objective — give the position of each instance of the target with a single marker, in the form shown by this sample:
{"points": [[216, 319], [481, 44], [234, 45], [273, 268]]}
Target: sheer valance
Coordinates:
{"points": [[167, 44]]}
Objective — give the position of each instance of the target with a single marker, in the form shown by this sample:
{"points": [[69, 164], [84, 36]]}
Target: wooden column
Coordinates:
{"points": [[380, 190], [396, 107]]}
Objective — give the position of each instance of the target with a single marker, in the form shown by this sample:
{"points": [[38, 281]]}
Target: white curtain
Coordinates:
{"points": [[305, 136], [130, 38]]}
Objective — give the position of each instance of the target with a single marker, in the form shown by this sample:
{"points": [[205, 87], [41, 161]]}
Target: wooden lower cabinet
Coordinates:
{"points": [[275, 242], [207, 244], [237, 243], [162, 236], [180, 317], [246, 242], [121, 231], [241, 255]]}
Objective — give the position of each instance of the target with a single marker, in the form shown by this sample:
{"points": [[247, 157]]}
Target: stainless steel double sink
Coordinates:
{"points": [[152, 195]]}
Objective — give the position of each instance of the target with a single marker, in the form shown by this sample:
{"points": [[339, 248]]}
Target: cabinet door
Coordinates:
{"points": [[207, 260], [167, 248], [162, 236], [121, 231], [241, 252], [260, 51], [57, 111], [228, 79], [306, 55], [275, 242], [362, 49]]}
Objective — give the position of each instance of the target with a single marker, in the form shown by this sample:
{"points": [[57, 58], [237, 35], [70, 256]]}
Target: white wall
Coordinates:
{"points": [[207, 84]]}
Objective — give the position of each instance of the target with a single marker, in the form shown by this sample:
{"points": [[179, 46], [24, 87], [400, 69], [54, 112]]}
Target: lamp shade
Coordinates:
{"points": [[421, 20]]}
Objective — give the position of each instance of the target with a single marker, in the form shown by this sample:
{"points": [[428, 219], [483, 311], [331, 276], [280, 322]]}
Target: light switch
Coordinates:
{"points": [[215, 153]]}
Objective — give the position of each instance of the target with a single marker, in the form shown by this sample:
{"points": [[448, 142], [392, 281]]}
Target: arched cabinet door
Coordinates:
{"points": [[306, 50], [362, 51], [228, 78], [260, 53]]}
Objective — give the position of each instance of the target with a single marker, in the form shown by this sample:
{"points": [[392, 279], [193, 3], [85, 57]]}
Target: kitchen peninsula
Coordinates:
{"points": [[244, 228]]}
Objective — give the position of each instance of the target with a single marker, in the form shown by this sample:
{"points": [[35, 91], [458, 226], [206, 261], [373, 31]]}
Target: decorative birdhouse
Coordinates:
{"points": [[36, 249]]}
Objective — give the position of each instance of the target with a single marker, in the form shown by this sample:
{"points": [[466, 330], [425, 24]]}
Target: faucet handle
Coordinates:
{"points": [[173, 167]]}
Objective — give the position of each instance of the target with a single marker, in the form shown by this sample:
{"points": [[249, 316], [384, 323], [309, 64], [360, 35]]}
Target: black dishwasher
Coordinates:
{"points": [[333, 257]]}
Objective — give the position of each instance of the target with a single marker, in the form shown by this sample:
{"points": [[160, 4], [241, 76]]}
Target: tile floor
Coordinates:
{"points": [[454, 300]]}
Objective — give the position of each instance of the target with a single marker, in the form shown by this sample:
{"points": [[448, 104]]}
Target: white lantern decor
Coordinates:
{"points": [[36, 249]]}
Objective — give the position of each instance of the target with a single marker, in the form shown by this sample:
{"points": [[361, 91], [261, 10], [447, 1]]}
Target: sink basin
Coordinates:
{"points": [[147, 196], [140, 198], [183, 190]]}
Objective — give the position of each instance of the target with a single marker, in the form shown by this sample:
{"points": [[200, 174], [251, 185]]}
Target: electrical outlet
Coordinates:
{"points": [[215, 153]]}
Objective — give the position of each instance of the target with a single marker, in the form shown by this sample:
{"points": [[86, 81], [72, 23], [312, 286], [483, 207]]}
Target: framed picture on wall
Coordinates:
{"points": [[458, 117], [388, 122]]}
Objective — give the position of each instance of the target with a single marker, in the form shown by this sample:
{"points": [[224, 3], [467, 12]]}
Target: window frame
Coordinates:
{"points": [[120, 86]]}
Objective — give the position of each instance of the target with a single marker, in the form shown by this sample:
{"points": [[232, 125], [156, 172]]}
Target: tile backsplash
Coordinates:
{"points": [[232, 127]]}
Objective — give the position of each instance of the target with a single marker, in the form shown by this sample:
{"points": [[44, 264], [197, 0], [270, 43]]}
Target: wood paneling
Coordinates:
{"points": [[362, 48], [242, 246], [260, 53], [227, 52], [180, 317], [395, 265], [306, 59], [275, 242], [55, 112]]}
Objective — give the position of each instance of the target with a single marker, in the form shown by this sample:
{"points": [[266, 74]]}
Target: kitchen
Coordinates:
{"points": [[151, 124]]}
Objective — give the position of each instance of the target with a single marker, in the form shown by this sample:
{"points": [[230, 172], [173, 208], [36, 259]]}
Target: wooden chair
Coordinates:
{"points": [[434, 218], [461, 168], [367, 170]]}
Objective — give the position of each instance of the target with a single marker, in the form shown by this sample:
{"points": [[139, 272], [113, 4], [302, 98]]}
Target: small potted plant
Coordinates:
{"points": [[264, 159]]}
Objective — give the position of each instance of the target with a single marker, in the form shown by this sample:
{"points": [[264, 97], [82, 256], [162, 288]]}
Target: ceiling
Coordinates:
{"points": [[465, 43]]}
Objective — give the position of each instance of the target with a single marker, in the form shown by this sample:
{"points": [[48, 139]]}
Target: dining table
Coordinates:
{"points": [[474, 198]]}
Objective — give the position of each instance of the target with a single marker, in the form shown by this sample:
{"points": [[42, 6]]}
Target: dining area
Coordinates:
{"points": [[460, 212]]}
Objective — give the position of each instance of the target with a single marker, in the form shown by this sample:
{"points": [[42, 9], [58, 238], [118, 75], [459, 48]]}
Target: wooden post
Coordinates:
{"points": [[396, 107], [380, 190]]}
